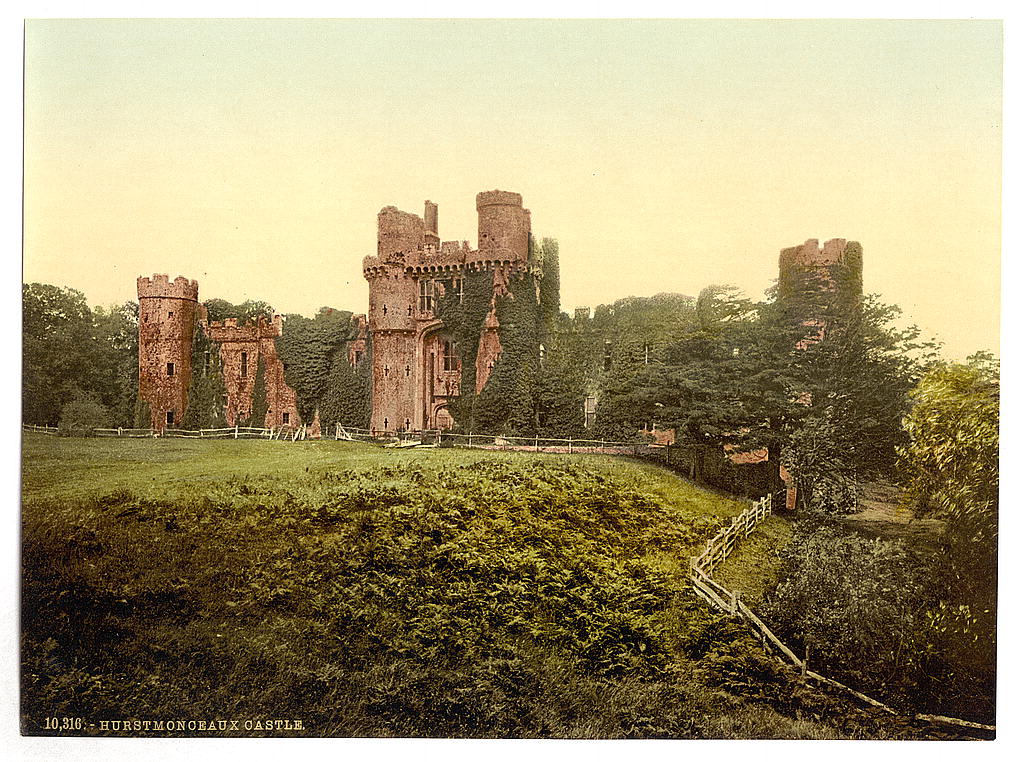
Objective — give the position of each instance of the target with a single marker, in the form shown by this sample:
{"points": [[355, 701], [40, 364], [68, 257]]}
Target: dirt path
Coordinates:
{"points": [[881, 515]]}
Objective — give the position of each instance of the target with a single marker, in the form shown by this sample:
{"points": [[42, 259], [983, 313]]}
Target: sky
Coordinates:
{"points": [[254, 155]]}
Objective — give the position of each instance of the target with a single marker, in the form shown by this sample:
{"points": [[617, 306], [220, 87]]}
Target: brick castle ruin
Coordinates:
{"points": [[169, 315], [416, 363]]}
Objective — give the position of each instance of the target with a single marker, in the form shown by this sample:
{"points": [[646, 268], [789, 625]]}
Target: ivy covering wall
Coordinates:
{"points": [[206, 389], [315, 357]]}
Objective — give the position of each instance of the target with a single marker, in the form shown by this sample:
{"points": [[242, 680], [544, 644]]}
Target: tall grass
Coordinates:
{"points": [[373, 593]]}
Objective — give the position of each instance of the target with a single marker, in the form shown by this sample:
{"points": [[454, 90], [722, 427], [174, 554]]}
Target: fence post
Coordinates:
{"points": [[236, 431], [470, 439], [803, 665], [570, 445]]}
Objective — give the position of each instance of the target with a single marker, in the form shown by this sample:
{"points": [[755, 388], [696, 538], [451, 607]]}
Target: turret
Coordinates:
{"points": [[167, 319], [398, 234], [503, 226], [431, 233]]}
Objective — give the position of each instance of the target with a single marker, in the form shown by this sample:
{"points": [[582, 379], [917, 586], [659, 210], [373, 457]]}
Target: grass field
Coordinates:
{"points": [[65, 467], [378, 592]]}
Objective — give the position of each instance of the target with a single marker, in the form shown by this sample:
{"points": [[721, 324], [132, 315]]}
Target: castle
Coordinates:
{"points": [[433, 331], [169, 316], [417, 366], [417, 363]]}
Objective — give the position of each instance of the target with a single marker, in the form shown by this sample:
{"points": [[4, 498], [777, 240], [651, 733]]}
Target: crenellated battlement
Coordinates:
{"points": [[228, 330], [399, 234], [811, 255], [498, 198], [161, 287]]}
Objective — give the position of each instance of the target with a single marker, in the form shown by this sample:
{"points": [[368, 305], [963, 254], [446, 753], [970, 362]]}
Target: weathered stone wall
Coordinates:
{"points": [[503, 226], [242, 347], [408, 387], [167, 319], [398, 234], [395, 378]]}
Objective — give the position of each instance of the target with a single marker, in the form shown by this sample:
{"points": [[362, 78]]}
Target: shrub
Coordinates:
{"points": [[82, 416]]}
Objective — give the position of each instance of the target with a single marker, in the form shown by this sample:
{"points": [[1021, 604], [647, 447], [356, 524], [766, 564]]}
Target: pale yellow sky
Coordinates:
{"points": [[664, 155]]}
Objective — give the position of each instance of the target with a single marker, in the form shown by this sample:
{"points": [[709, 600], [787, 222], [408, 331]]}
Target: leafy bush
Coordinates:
{"points": [[855, 602], [881, 618], [82, 416]]}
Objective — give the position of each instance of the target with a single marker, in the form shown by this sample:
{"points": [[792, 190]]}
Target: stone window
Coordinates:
{"points": [[426, 295], [170, 369], [284, 417], [245, 364], [451, 356], [170, 417], [170, 314], [589, 411], [385, 308], [357, 356], [607, 355], [457, 288]]}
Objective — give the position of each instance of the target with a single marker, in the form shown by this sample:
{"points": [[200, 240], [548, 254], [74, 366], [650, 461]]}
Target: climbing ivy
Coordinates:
{"points": [[464, 320], [550, 284], [314, 353], [206, 390], [347, 397], [258, 407], [248, 311], [143, 414], [830, 294]]}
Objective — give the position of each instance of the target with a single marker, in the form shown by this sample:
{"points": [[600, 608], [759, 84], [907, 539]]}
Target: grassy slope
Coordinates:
{"points": [[756, 563], [379, 592]]}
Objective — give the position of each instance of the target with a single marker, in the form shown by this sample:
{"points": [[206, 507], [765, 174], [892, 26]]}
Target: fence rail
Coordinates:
{"points": [[718, 596], [401, 438], [491, 441], [231, 432], [40, 429]]}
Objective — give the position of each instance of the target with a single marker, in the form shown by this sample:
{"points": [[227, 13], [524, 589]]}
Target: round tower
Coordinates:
{"points": [[503, 226], [820, 283], [167, 319]]}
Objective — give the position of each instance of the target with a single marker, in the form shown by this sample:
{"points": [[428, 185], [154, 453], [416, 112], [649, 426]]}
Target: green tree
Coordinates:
{"points": [[69, 350], [951, 470], [116, 346], [854, 602], [858, 379], [313, 352], [83, 415], [248, 311]]}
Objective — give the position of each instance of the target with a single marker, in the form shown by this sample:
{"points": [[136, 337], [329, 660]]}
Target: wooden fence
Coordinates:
{"points": [[230, 432], [718, 596], [492, 441]]}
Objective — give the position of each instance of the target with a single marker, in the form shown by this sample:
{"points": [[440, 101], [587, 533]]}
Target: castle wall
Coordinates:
{"points": [[395, 379], [242, 347], [409, 381], [167, 319], [798, 262], [503, 226]]}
